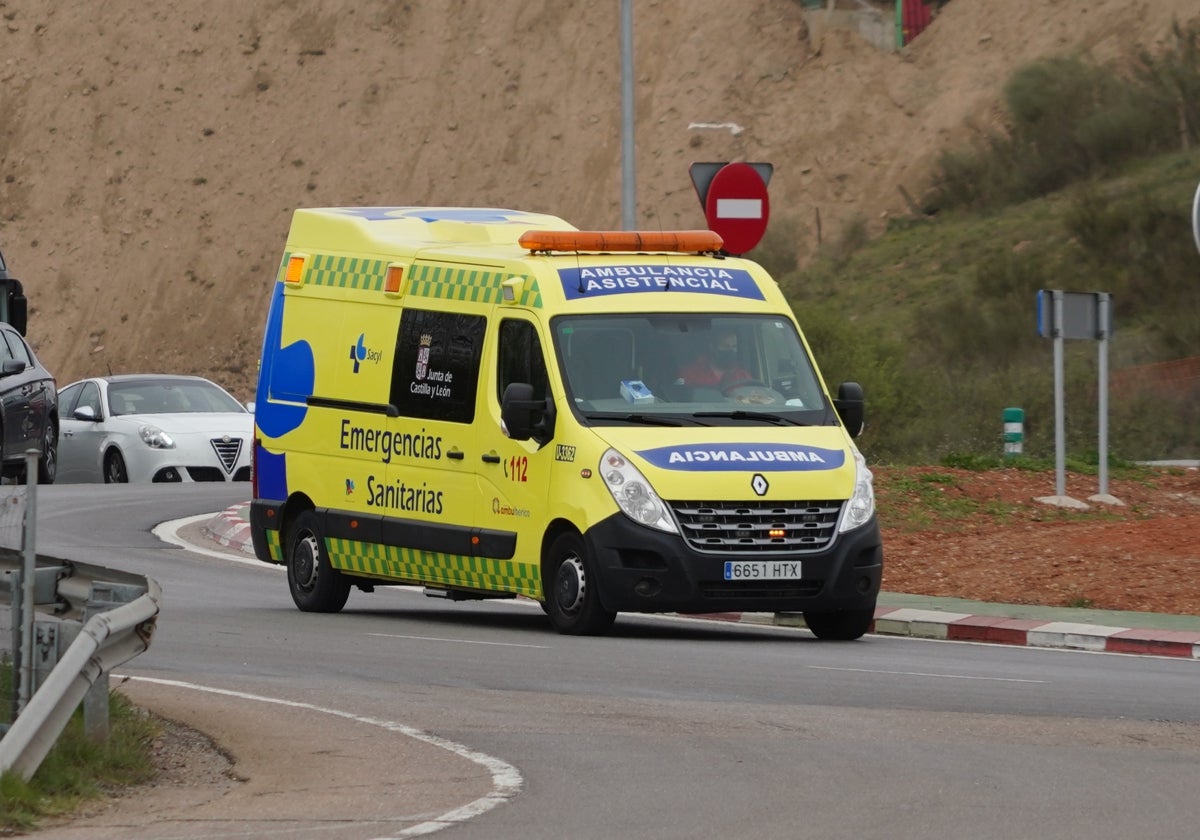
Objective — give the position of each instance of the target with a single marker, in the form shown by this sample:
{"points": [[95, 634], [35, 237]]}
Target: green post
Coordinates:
{"points": [[1014, 431]]}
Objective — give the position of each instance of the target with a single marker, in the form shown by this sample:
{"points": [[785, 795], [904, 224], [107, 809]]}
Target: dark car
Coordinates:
{"points": [[28, 409]]}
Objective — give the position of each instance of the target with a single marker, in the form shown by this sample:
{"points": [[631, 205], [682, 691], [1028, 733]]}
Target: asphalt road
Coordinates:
{"points": [[404, 715]]}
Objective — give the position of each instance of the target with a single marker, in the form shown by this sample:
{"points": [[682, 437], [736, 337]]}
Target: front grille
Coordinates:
{"points": [[227, 450], [747, 527], [205, 474]]}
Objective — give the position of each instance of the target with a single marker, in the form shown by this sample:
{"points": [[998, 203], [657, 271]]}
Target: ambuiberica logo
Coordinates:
{"points": [[360, 352]]}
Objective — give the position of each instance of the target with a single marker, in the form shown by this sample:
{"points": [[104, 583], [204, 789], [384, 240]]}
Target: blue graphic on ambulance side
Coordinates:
{"points": [[285, 383], [287, 378], [586, 281], [739, 457]]}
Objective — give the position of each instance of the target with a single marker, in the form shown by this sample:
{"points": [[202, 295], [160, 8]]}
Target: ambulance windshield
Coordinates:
{"points": [[697, 367]]}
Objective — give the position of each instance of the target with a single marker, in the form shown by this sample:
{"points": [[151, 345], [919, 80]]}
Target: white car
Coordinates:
{"points": [[152, 428]]}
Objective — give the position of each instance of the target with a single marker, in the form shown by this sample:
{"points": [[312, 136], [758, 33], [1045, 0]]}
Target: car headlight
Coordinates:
{"points": [[633, 493], [155, 437], [861, 507]]}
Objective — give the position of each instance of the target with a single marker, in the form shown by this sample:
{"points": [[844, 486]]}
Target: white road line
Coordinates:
{"points": [[459, 641], [923, 674], [506, 779]]}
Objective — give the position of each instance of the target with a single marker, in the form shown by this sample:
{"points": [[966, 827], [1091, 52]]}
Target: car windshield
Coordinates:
{"points": [[701, 369], [169, 396]]}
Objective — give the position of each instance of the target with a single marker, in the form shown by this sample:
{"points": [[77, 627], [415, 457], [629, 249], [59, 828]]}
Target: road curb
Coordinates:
{"points": [[231, 529], [992, 629]]}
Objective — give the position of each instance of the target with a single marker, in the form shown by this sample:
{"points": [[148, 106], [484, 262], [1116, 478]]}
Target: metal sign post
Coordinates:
{"points": [[1080, 315], [628, 150], [28, 572]]}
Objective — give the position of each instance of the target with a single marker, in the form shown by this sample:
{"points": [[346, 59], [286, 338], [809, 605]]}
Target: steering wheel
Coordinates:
{"points": [[753, 392], [744, 383]]}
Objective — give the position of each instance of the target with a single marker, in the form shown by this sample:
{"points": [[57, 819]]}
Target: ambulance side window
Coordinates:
{"points": [[521, 358], [436, 370]]}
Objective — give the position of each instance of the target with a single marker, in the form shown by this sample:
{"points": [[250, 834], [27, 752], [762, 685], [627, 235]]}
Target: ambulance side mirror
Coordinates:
{"points": [[523, 416], [849, 405]]}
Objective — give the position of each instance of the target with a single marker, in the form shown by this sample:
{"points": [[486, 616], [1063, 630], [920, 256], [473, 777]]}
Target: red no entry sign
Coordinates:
{"points": [[735, 204]]}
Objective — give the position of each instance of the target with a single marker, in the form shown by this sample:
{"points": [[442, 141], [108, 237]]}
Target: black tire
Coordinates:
{"points": [[315, 585], [573, 603], [48, 462], [114, 468], [842, 625]]}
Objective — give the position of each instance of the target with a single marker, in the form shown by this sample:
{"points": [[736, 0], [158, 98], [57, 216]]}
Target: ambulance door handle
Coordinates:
{"points": [[491, 458], [455, 454]]}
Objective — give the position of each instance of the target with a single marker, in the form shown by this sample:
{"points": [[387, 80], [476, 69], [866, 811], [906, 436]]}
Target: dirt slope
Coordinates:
{"points": [[152, 153]]}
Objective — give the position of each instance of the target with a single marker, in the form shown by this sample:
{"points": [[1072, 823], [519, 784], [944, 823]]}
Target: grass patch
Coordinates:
{"points": [[928, 499], [76, 769], [919, 501]]}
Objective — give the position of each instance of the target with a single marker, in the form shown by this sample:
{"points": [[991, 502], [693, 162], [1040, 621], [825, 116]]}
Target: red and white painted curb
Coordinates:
{"points": [[994, 629], [230, 528]]}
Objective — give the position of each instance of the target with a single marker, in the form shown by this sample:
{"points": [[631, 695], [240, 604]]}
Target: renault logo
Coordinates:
{"points": [[759, 484]]}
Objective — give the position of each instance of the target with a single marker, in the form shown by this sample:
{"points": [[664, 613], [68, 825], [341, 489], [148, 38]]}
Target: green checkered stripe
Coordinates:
{"points": [[434, 567], [345, 272], [274, 546], [446, 283]]}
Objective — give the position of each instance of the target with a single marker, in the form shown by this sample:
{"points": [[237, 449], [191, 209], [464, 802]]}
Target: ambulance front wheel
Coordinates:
{"points": [[316, 586], [842, 625], [572, 599]]}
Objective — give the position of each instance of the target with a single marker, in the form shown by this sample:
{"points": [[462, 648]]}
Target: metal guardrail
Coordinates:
{"points": [[110, 617]]}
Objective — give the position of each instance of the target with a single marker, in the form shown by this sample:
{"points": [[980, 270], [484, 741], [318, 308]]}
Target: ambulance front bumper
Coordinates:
{"points": [[642, 570]]}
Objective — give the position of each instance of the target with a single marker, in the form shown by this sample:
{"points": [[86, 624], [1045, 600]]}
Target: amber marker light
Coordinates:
{"points": [[511, 289], [393, 282], [679, 241], [295, 269]]}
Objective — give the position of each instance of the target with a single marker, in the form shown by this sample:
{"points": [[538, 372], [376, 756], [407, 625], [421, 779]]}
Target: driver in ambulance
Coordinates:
{"points": [[719, 366]]}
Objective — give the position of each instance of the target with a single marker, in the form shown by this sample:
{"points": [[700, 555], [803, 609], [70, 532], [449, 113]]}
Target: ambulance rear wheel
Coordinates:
{"points": [[572, 599], [316, 586]]}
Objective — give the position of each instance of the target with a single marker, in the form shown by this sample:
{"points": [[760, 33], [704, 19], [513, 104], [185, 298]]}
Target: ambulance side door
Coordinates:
{"points": [[514, 478], [429, 496]]}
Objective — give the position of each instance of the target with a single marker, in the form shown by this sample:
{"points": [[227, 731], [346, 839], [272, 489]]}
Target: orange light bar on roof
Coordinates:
{"points": [[295, 269], [682, 241]]}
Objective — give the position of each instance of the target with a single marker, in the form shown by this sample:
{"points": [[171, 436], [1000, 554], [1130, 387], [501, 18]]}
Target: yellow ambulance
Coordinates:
{"points": [[490, 403]]}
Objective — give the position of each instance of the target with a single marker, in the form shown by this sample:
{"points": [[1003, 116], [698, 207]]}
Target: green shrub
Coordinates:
{"points": [[1069, 121]]}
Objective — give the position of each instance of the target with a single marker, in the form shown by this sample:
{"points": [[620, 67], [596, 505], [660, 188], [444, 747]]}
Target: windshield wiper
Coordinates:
{"points": [[644, 419], [752, 415]]}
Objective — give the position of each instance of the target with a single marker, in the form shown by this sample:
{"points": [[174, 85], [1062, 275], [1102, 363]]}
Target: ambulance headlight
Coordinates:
{"points": [[861, 507], [633, 493], [155, 437]]}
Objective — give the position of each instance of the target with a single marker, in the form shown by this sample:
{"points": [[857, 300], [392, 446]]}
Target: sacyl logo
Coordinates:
{"points": [[359, 353]]}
